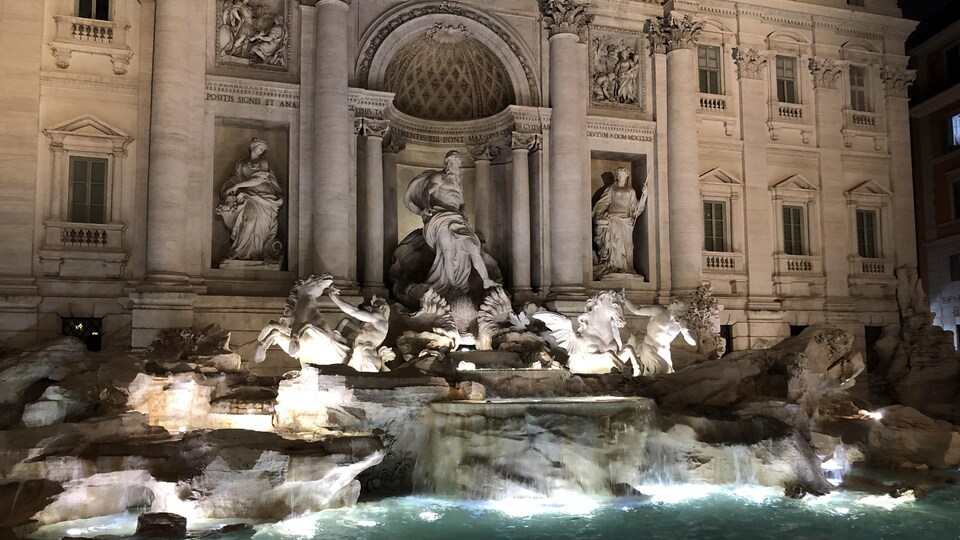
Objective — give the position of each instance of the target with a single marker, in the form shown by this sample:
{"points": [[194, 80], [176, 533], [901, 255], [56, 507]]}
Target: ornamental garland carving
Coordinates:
{"points": [[750, 63], [671, 33], [896, 80], [565, 17], [448, 8], [372, 127], [825, 72], [253, 34], [483, 151], [616, 65]]}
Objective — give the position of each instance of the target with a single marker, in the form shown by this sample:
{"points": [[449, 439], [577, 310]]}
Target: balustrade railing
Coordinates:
{"points": [[91, 31], [860, 120], [723, 262], [92, 236], [713, 103], [798, 264], [790, 112]]}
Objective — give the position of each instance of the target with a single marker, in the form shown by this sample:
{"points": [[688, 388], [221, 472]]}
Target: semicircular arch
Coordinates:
{"points": [[396, 29]]}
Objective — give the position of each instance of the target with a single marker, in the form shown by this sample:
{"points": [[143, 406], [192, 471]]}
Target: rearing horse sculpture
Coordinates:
{"points": [[301, 331]]}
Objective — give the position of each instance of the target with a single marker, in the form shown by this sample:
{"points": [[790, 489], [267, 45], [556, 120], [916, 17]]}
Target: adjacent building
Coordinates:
{"points": [[935, 124], [771, 138]]}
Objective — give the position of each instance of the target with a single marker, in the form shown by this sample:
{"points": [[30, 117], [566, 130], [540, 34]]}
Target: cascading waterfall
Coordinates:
{"points": [[536, 448]]}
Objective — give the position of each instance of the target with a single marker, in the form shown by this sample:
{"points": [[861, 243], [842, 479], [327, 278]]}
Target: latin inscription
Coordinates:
{"points": [[253, 100]]}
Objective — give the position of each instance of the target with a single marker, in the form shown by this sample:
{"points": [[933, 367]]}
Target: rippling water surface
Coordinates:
{"points": [[675, 512]]}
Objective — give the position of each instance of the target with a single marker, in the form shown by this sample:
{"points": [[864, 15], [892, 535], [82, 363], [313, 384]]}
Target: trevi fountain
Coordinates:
{"points": [[449, 410]]}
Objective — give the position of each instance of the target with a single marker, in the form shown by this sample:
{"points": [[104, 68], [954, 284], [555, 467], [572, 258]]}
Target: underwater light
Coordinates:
{"points": [[876, 415], [673, 494]]}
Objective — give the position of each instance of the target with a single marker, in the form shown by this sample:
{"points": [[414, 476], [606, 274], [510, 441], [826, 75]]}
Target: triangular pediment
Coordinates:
{"points": [[90, 126], [717, 175], [868, 187], [795, 182]]}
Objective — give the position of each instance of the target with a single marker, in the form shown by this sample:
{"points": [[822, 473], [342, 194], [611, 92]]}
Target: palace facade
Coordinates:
{"points": [[769, 138]]}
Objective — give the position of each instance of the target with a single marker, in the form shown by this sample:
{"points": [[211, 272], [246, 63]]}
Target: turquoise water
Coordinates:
{"points": [[677, 512]]}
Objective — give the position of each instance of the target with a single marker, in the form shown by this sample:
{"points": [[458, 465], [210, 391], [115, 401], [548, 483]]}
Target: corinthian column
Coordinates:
{"points": [[566, 23], [334, 210], [371, 227], [482, 155], [520, 143], [678, 37], [169, 174]]}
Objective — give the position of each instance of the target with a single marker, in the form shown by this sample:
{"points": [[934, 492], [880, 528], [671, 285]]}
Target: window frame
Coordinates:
{"points": [[794, 80], [93, 9], [863, 89], [803, 242], [724, 227], [87, 217], [951, 132], [875, 236], [718, 71], [72, 140]]}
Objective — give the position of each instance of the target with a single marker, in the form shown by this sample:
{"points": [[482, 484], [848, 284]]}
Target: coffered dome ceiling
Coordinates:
{"points": [[446, 74]]}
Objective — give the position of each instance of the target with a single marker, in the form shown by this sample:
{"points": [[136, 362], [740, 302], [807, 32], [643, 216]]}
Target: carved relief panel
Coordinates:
{"points": [[616, 62], [254, 33]]}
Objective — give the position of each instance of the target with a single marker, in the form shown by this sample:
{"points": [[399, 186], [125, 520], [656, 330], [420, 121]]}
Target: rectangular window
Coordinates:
{"points": [[88, 189], [793, 230], [94, 9], [714, 226], [952, 133], [955, 267], [855, 3], [787, 79], [858, 88], [867, 234], [708, 64]]}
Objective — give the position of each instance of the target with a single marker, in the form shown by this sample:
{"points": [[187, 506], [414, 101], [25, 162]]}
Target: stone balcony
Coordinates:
{"points": [[91, 36], [871, 276], [798, 275], [83, 250], [789, 117], [724, 262]]}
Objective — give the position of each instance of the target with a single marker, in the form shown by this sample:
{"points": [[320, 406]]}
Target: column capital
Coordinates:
{"points": [[751, 63], [896, 80], [671, 33], [393, 144], [825, 72], [371, 127], [565, 17], [483, 152], [523, 141]]}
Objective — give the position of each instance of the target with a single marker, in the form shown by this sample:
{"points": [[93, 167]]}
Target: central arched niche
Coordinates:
{"points": [[448, 74]]}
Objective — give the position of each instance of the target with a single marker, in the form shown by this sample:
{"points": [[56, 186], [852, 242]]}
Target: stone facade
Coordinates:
{"points": [[786, 120]]}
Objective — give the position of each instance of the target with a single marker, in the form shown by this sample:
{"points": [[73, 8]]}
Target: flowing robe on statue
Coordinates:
{"points": [[615, 215], [439, 201], [253, 216]]}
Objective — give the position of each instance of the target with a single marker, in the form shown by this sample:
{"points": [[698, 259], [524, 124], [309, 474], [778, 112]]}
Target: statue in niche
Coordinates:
{"points": [[614, 217], [616, 72], [301, 332], [251, 35], [447, 243], [250, 205], [374, 323]]}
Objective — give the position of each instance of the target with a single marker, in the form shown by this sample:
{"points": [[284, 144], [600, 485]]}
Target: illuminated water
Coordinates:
{"points": [[675, 512]]}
